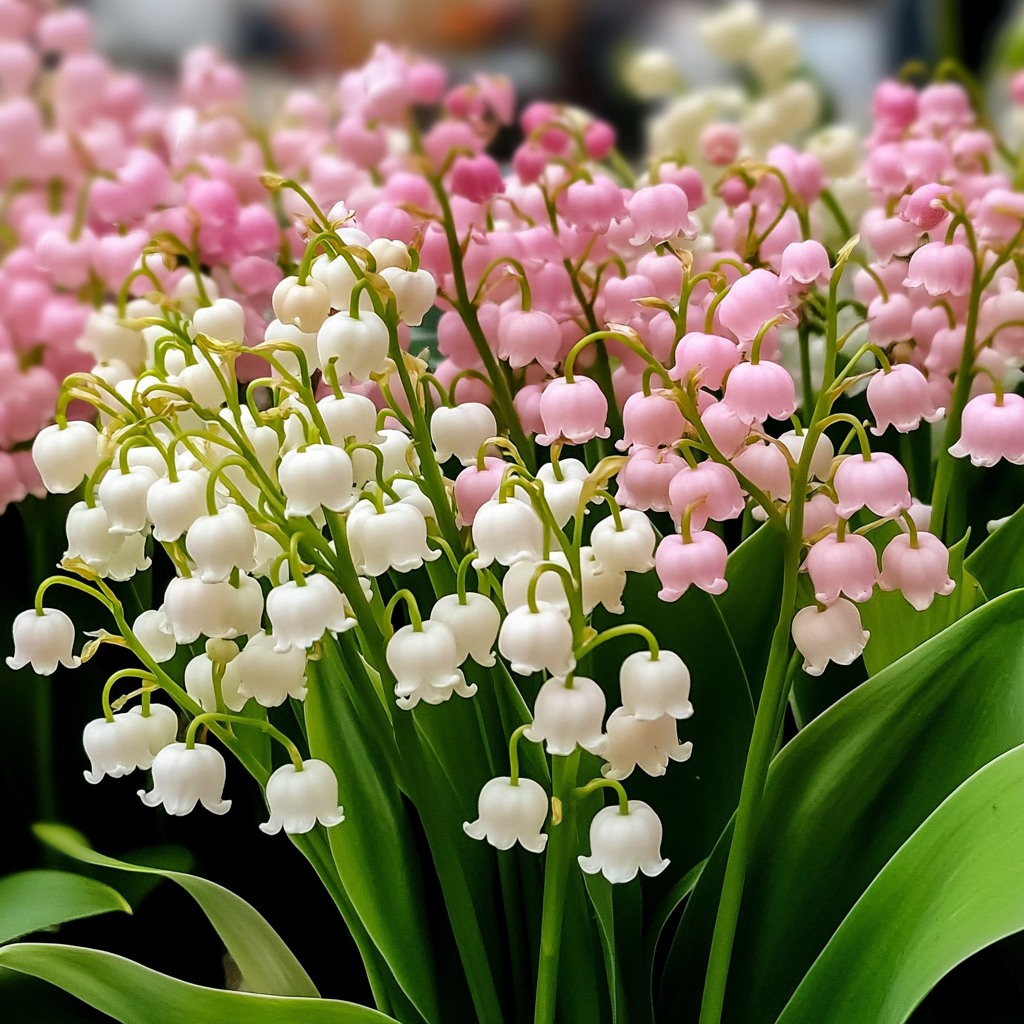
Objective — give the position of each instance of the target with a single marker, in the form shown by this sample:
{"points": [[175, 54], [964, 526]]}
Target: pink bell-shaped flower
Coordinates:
{"points": [[511, 812], [920, 571], [829, 634], [758, 391], [941, 269], [574, 411], [699, 562], [475, 487], [710, 491], [804, 263], [658, 212], [878, 483], [645, 478], [752, 301], [650, 420], [901, 399], [992, 430], [848, 566], [709, 356], [623, 844]]}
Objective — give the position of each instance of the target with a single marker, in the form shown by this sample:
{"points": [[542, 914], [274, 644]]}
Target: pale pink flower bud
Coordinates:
{"points": [[299, 799], [701, 563], [710, 491], [878, 483], [895, 104], [592, 206], [992, 430], [901, 398], [659, 212], [819, 514], [725, 428], [920, 571], [759, 391], [765, 466], [892, 236], [623, 844], [564, 716], [924, 208], [475, 487], [710, 356], [644, 480], [829, 634], [848, 566], [650, 420], [529, 336], [890, 320], [941, 269], [598, 139], [574, 411], [805, 263], [720, 143], [476, 178], [510, 813], [752, 301]]}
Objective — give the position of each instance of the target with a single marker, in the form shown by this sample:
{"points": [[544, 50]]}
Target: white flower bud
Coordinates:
{"points": [[399, 457], [66, 456], [357, 346], [652, 74], [506, 532], [600, 587], [821, 460], [832, 634], [299, 799], [199, 684], [651, 688], [222, 542], [837, 148], [508, 814], [44, 641], [461, 430], [393, 539], [269, 675], [306, 306], [337, 277], [630, 549], [106, 339], [300, 615], [318, 475], [564, 716], [729, 33], [124, 495], [116, 748], [645, 744], [775, 54], [174, 505], [563, 496], [411, 493], [797, 106], [195, 608], [550, 587], [424, 663], [161, 726], [389, 253], [414, 292], [350, 418], [224, 320], [152, 630], [532, 641], [474, 625], [201, 381], [183, 777], [622, 844], [291, 335], [89, 535]]}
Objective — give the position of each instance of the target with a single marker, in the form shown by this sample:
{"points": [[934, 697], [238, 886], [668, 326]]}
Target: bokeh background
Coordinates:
{"points": [[572, 50]]}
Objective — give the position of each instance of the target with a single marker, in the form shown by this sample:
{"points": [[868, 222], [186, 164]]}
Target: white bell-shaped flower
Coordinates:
{"points": [[152, 630], [105, 338], [337, 277], [300, 615], [292, 335], [124, 495], [245, 608], [183, 777], [65, 456], [411, 493], [461, 430], [221, 542], [506, 532], [564, 716], [653, 687], [161, 725], [89, 535], [129, 558], [202, 382], [393, 539], [306, 306], [474, 624], [390, 253], [222, 320], [194, 608], [117, 747], [532, 641], [268, 550], [831, 634], [43, 641], [199, 684], [821, 459], [357, 346], [630, 549], [414, 291], [510, 813], [174, 505], [299, 799], [353, 417], [599, 586], [399, 457], [267, 674], [563, 494], [515, 586], [637, 743], [425, 663], [319, 474], [623, 844]]}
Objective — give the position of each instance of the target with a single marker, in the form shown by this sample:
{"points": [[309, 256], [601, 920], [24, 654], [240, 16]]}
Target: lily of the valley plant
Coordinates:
{"points": [[518, 462]]}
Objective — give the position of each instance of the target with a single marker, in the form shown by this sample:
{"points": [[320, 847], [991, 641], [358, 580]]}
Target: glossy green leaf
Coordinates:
{"points": [[265, 962], [33, 900], [998, 561], [134, 994], [896, 627], [955, 886], [843, 797]]}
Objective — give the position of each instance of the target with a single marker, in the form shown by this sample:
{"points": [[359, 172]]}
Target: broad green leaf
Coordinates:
{"points": [[33, 900], [841, 799], [955, 886], [897, 628], [134, 994], [998, 561], [265, 962], [347, 727]]}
